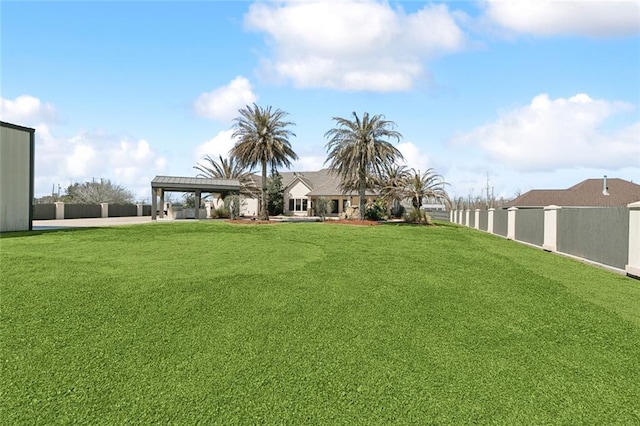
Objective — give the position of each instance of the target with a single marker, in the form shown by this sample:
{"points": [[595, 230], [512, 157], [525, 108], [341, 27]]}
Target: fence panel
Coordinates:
{"points": [[530, 226], [472, 219], [81, 211], [597, 234], [122, 210], [146, 210], [500, 222], [440, 215], [44, 211], [484, 220]]}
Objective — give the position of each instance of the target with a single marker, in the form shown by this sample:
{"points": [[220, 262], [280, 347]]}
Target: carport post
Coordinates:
{"points": [[154, 203], [198, 195], [161, 203]]}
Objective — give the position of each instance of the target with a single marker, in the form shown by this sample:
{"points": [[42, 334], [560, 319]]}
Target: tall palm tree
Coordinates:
{"points": [[263, 139], [228, 168], [427, 185], [359, 149]]}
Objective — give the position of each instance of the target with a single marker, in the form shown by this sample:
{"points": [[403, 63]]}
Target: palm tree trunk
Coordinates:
{"points": [[361, 193], [264, 214]]}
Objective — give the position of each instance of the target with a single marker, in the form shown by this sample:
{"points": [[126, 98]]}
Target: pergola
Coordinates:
{"points": [[162, 184]]}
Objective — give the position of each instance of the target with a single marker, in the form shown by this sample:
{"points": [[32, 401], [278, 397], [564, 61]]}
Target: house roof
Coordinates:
{"points": [[323, 183], [588, 193]]}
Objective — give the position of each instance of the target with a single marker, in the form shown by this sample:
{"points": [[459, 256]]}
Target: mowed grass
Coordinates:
{"points": [[311, 324]]}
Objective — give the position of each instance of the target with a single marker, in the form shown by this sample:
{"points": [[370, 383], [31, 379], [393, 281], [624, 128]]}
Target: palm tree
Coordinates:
{"points": [[428, 185], [393, 184], [359, 150], [228, 168], [263, 139]]}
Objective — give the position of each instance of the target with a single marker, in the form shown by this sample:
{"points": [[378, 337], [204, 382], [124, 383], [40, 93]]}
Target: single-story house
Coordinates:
{"points": [[302, 189], [603, 192]]}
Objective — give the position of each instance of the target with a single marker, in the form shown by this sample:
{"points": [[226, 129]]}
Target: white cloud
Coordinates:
{"points": [[352, 44], [551, 134], [596, 18], [309, 163], [220, 144], [26, 110], [95, 154], [224, 102], [413, 158]]}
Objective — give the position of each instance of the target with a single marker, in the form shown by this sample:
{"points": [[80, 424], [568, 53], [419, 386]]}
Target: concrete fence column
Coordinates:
{"points": [[476, 221], [139, 209], [104, 208], [451, 216], [490, 215], [550, 228], [467, 215], [633, 267], [59, 210], [511, 223]]}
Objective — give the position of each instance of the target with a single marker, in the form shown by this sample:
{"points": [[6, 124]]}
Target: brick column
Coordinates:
{"points": [[476, 222], [550, 228], [139, 209], [104, 209], [633, 267], [466, 217]]}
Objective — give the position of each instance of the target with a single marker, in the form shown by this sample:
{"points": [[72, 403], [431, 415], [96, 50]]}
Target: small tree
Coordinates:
{"points": [[95, 192], [321, 207], [275, 194], [232, 204]]}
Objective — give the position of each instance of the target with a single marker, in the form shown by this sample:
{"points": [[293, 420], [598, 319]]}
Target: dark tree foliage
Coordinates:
{"points": [[275, 194]]}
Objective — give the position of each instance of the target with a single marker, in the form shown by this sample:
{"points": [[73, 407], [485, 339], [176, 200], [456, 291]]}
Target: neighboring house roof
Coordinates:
{"points": [[588, 193], [323, 183]]}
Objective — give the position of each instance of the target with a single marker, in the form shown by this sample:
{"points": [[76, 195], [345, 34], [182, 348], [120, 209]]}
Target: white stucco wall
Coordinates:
{"points": [[297, 191], [16, 190]]}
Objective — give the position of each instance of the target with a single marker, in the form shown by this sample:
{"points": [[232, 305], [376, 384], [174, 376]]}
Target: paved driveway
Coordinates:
{"points": [[89, 223]]}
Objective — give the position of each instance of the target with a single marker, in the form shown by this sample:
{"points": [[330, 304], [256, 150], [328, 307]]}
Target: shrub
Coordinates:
{"points": [[418, 216], [375, 211], [321, 207], [232, 204]]}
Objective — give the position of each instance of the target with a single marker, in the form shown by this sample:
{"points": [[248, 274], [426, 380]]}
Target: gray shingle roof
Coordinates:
{"points": [[182, 183], [323, 183], [587, 193]]}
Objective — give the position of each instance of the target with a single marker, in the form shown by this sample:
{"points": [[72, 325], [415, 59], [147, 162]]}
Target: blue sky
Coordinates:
{"points": [[534, 94]]}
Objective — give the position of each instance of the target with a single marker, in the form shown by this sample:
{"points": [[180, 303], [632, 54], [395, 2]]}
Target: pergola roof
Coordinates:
{"points": [[187, 184]]}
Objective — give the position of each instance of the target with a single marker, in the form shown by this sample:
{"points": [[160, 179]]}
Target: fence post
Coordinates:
{"points": [[139, 209], [550, 242], [511, 223], [451, 216], [59, 210], [104, 209], [476, 219], [633, 267], [467, 213], [490, 215]]}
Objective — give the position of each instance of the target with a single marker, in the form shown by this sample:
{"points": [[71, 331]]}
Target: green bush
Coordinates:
{"points": [[375, 211], [418, 216]]}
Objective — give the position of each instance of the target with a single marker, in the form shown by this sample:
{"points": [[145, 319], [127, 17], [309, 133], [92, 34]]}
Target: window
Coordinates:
{"points": [[298, 204]]}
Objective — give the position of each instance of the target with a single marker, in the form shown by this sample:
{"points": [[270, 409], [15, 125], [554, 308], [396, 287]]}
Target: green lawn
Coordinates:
{"points": [[311, 323]]}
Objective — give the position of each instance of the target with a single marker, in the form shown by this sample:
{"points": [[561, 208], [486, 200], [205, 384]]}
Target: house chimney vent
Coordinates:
{"points": [[605, 187]]}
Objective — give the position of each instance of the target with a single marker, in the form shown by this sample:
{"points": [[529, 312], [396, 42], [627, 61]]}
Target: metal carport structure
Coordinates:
{"points": [[162, 184]]}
